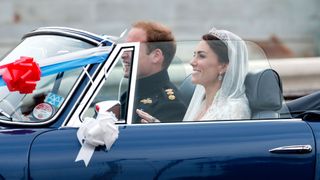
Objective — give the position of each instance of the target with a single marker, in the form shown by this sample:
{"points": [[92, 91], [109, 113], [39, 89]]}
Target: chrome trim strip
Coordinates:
{"points": [[132, 84], [213, 122], [67, 28], [69, 34]]}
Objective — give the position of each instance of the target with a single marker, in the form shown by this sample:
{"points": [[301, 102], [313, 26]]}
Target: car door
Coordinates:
{"points": [[222, 150]]}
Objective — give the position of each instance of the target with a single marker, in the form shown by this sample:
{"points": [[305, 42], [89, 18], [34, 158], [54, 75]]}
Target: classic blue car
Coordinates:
{"points": [[38, 130]]}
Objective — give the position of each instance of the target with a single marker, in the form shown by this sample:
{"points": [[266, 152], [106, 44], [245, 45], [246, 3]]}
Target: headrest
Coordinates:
{"points": [[264, 90]]}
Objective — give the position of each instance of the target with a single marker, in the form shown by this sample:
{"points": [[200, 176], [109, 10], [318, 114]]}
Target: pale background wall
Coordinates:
{"points": [[296, 22]]}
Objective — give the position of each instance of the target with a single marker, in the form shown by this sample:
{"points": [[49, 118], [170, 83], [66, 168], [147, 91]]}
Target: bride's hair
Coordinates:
{"points": [[218, 47]]}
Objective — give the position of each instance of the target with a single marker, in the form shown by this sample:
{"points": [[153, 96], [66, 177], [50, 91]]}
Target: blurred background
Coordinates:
{"points": [[286, 28]]}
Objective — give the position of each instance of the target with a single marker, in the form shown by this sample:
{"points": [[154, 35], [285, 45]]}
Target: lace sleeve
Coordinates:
{"points": [[240, 110]]}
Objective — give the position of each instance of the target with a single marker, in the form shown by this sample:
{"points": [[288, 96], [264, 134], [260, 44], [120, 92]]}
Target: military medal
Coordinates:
{"points": [[169, 90], [170, 94], [172, 97], [146, 101]]}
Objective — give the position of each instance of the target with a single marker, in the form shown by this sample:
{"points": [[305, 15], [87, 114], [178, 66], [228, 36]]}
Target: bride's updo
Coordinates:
{"points": [[218, 47]]}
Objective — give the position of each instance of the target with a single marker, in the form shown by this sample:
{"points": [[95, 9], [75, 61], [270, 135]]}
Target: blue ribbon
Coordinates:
{"points": [[65, 66]]}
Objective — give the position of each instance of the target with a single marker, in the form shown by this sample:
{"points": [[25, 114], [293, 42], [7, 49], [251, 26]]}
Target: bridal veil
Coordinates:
{"points": [[230, 102]]}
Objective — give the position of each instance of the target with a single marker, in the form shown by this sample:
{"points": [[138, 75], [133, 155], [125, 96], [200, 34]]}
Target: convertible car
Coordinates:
{"points": [[56, 77]]}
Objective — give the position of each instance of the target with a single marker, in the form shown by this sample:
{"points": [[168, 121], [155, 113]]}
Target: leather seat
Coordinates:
{"points": [[264, 92]]}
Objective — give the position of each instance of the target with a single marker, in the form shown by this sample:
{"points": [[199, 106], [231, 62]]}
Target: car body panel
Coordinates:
{"points": [[14, 151], [314, 124]]}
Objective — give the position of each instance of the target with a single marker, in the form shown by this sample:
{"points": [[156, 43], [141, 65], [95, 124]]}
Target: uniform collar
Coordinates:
{"points": [[148, 85]]}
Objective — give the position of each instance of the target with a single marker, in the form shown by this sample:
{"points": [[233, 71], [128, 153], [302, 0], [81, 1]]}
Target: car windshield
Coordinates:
{"points": [[51, 90]]}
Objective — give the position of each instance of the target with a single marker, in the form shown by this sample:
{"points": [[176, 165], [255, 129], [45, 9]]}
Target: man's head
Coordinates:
{"points": [[157, 48]]}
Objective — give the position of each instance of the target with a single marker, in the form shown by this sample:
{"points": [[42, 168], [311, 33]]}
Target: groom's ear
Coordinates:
{"points": [[157, 56]]}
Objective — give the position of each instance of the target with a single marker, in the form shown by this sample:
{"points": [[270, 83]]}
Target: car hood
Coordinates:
{"points": [[14, 151]]}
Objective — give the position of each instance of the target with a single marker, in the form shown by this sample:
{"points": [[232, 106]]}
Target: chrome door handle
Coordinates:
{"points": [[294, 149]]}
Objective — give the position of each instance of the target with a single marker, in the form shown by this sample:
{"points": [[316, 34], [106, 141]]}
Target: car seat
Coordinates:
{"points": [[264, 92]]}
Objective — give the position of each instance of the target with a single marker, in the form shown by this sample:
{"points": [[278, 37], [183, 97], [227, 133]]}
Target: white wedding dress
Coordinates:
{"points": [[231, 101]]}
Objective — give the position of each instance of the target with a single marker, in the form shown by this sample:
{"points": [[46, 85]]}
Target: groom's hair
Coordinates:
{"points": [[160, 37]]}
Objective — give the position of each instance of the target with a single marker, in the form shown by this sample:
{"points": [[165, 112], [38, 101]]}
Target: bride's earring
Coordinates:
{"points": [[220, 76]]}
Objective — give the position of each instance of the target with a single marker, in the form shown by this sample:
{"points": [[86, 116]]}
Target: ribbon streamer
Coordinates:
{"points": [[96, 132], [68, 61]]}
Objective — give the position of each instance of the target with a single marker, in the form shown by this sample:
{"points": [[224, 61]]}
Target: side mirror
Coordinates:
{"points": [[111, 106]]}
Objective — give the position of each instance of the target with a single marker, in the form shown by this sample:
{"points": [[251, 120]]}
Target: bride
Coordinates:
{"points": [[220, 65]]}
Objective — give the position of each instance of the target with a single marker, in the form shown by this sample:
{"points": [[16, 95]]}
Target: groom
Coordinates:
{"points": [[155, 93]]}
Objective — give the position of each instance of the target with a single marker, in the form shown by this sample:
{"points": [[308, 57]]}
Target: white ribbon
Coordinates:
{"points": [[96, 132]]}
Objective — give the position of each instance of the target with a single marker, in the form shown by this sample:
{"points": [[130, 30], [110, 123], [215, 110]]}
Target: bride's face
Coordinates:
{"points": [[205, 65]]}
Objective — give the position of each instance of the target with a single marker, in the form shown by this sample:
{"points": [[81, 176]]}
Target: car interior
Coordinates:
{"points": [[306, 107]]}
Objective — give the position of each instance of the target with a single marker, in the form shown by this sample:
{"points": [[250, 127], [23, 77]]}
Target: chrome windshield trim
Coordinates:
{"points": [[62, 33], [76, 118]]}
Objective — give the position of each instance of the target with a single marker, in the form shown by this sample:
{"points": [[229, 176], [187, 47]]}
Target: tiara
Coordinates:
{"points": [[220, 35]]}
